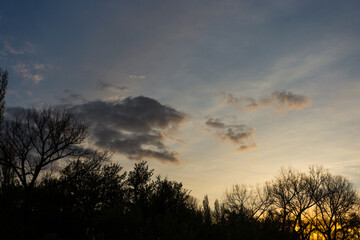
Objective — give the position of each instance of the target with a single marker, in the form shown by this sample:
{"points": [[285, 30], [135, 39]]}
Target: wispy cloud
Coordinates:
{"points": [[136, 127], [30, 72], [279, 100], [235, 133], [134, 76], [25, 48], [39, 66]]}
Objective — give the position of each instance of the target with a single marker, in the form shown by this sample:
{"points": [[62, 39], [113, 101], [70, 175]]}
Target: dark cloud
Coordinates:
{"points": [[71, 97], [236, 133], [286, 101], [12, 111], [134, 127], [279, 100], [135, 146], [102, 85], [215, 123]]}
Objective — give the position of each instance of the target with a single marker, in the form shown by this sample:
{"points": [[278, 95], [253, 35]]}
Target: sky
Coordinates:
{"points": [[210, 93]]}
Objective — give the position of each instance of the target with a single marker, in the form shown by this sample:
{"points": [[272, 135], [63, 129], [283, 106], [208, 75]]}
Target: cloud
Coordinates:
{"points": [[215, 123], [71, 97], [136, 146], [24, 49], [250, 106], [135, 127], [244, 148], [238, 133], [38, 66], [286, 101], [279, 100], [134, 76], [235, 133], [250, 103], [30, 72], [102, 85], [230, 99]]}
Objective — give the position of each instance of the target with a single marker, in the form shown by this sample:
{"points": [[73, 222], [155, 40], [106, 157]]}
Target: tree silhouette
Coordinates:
{"points": [[282, 194], [90, 185], [336, 206], [248, 201], [206, 211], [3, 86], [33, 139], [7, 176], [139, 183], [218, 214]]}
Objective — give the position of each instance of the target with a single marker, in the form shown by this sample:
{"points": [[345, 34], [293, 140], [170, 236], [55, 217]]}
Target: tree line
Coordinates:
{"points": [[53, 187]]}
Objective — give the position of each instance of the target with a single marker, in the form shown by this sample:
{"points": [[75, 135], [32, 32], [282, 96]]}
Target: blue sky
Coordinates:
{"points": [[297, 62]]}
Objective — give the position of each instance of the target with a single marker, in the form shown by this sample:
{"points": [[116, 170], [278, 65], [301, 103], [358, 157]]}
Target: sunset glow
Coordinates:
{"points": [[209, 93]]}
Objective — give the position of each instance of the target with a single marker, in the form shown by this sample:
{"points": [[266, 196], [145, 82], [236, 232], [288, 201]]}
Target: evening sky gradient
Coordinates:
{"points": [[211, 93]]}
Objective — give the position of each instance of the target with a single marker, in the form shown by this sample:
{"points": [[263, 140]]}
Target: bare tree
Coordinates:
{"points": [[307, 191], [6, 174], [32, 139], [3, 85], [282, 193], [251, 202], [314, 203], [336, 207]]}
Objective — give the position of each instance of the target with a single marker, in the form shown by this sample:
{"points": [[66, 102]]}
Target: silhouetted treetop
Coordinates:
{"points": [[3, 86], [32, 139]]}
